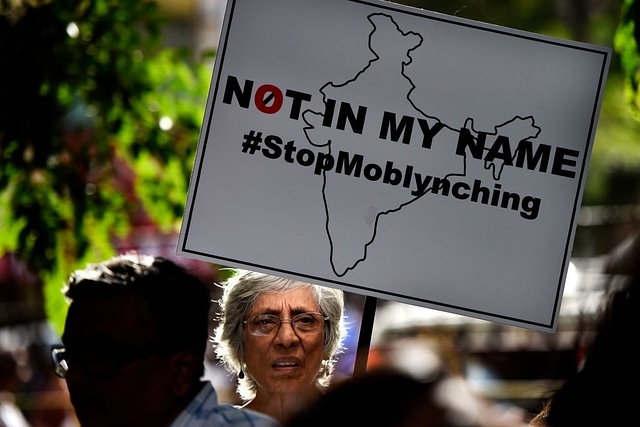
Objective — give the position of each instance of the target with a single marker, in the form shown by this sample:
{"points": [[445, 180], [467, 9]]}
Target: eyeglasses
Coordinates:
{"points": [[267, 324], [98, 361]]}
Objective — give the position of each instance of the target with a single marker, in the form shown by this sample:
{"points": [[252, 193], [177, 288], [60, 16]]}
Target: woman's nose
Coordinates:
{"points": [[286, 334]]}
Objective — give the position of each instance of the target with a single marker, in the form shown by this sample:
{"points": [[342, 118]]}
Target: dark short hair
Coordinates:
{"points": [[174, 302]]}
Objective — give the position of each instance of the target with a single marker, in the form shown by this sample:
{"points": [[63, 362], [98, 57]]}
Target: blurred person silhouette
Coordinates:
{"points": [[134, 343], [606, 390], [10, 413], [392, 397], [281, 337]]}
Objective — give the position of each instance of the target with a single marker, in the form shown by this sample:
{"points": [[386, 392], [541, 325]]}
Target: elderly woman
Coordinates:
{"points": [[281, 337]]}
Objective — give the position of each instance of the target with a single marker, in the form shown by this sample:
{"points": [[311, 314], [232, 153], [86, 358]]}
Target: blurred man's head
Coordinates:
{"points": [[134, 341]]}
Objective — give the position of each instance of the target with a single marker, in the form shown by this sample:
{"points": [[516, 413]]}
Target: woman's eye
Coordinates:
{"points": [[305, 320], [264, 321]]}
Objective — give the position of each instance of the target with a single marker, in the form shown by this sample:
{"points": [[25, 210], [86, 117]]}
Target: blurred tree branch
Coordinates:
{"points": [[84, 86], [626, 45]]}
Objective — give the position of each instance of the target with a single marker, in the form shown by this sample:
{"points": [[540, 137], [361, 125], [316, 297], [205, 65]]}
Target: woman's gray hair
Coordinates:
{"points": [[240, 294]]}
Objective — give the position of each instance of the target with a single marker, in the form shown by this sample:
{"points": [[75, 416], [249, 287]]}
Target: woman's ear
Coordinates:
{"points": [[185, 368]]}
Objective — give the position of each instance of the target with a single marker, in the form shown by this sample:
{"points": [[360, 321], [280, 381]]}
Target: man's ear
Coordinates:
{"points": [[185, 368]]}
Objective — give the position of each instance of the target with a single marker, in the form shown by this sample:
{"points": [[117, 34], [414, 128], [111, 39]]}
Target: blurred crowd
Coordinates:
{"points": [[422, 364]]}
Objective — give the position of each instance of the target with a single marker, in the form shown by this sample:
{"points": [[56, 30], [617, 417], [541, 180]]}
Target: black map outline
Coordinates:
{"points": [[469, 123]]}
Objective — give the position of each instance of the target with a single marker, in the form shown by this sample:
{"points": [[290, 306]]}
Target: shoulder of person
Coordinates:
{"points": [[205, 410], [241, 417]]}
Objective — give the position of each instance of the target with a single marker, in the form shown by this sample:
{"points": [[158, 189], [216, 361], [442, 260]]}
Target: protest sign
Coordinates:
{"points": [[397, 153]]}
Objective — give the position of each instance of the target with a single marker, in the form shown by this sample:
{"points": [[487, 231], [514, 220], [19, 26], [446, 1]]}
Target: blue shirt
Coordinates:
{"points": [[205, 411]]}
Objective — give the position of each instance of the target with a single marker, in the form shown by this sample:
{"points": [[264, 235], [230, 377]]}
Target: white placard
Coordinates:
{"points": [[397, 153]]}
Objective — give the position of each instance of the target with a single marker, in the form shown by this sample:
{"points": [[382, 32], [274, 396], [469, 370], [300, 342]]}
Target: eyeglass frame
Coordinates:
{"points": [[122, 356], [275, 331]]}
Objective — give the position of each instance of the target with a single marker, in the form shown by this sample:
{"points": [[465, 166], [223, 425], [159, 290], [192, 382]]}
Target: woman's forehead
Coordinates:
{"points": [[292, 299]]}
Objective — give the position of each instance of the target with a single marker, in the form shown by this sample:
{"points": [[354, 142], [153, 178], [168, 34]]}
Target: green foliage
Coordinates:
{"points": [[616, 144], [626, 45], [163, 159], [225, 273], [84, 86]]}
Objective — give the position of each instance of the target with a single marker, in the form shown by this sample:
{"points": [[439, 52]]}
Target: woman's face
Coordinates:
{"points": [[286, 360]]}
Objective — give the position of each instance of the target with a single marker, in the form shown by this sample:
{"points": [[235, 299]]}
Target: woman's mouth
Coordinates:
{"points": [[286, 362]]}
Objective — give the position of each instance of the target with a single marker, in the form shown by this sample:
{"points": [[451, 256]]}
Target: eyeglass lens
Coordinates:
{"points": [[265, 324], [60, 363]]}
